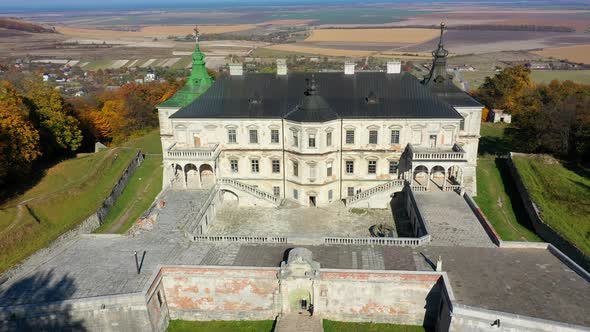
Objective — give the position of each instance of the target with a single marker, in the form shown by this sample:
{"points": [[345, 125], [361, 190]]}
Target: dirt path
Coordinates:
{"points": [[21, 206]]}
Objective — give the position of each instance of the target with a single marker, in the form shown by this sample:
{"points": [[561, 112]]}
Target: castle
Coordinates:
{"points": [[321, 137]]}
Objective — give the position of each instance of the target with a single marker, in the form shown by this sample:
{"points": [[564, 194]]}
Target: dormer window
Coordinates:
{"points": [[372, 98], [255, 99]]}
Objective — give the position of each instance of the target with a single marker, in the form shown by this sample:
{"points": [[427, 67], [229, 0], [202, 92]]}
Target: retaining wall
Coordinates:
{"points": [[89, 225], [541, 228]]}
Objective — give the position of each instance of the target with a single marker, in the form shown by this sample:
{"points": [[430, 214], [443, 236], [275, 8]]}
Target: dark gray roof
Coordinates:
{"points": [[362, 95], [451, 94]]}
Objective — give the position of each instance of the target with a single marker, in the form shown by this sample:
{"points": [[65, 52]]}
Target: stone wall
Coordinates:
{"points": [[472, 319], [214, 293], [106, 313], [541, 228], [411, 298]]}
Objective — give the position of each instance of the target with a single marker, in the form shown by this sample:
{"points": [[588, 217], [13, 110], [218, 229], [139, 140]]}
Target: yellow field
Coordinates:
{"points": [[151, 31], [576, 53], [403, 36], [346, 53], [319, 50]]}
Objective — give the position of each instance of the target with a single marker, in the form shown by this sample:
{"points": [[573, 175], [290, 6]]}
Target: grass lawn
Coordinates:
{"points": [[67, 194], [546, 76], [221, 326], [561, 194], [496, 194], [332, 326], [142, 189]]}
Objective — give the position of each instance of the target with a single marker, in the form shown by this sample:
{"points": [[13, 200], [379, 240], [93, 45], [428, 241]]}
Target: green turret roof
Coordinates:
{"points": [[197, 83]]}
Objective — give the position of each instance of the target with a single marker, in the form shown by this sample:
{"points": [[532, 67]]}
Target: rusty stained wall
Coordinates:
{"points": [[157, 306], [221, 294], [412, 299]]}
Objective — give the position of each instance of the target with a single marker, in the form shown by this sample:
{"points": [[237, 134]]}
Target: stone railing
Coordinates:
{"points": [[193, 219], [209, 152], [456, 153], [375, 190], [239, 239], [418, 188], [250, 189], [383, 241], [455, 187]]}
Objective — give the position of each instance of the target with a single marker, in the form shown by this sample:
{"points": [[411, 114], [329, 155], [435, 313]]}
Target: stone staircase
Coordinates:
{"points": [[269, 197], [295, 322], [385, 189]]}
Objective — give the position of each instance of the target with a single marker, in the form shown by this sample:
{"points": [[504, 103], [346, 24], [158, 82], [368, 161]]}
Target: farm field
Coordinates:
{"points": [[151, 31], [576, 53], [562, 195], [143, 187], [496, 195], [405, 36], [221, 326], [332, 326], [67, 194], [476, 78], [311, 50]]}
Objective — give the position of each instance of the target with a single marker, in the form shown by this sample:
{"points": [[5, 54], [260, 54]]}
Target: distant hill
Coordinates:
{"points": [[10, 24]]}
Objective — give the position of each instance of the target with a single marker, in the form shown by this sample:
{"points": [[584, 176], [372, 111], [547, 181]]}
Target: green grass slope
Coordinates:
{"points": [[221, 326], [142, 189], [496, 195], [67, 194], [332, 326], [561, 194]]}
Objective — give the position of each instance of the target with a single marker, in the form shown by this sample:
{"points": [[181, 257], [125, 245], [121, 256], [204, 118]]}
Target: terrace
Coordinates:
{"points": [[206, 152]]}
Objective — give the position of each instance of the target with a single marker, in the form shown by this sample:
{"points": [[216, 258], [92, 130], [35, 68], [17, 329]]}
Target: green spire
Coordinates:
{"points": [[197, 83]]}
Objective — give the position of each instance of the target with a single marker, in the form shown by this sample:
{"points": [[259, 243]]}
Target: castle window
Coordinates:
{"points": [[330, 195], [395, 137], [295, 138], [295, 194], [312, 172], [255, 166], [329, 139], [349, 167], [350, 137], [276, 191], [233, 165], [295, 168], [372, 136], [393, 166], [350, 191], [311, 141], [276, 166], [253, 136], [274, 136], [232, 136], [329, 168], [372, 167]]}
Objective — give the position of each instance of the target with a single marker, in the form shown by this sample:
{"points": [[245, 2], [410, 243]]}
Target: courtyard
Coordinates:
{"points": [[292, 220]]}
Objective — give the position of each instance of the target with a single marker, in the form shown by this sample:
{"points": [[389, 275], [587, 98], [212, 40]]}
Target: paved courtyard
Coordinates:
{"points": [[333, 220], [521, 281]]}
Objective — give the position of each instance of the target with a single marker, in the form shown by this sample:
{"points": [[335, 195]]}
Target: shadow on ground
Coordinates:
{"points": [[40, 288]]}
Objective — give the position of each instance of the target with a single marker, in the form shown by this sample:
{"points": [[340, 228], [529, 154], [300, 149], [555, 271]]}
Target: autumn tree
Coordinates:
{"points": [[509, 90], [19, 140], [58, 128]]}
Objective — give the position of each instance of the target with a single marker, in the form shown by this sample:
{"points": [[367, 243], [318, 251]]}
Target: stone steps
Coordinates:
{"points": [[296, 322]]}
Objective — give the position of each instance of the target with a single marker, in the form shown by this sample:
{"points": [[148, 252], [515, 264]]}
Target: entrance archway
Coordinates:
{"points": [[421, 175], [437, 175], [192, 176], [299, 300], [207, 176], [229, 197]]}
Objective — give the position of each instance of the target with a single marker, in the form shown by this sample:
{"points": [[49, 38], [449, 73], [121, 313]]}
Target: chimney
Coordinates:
{"points": [[349, 68], [236, 69], [394, 67], [281, 67]]}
